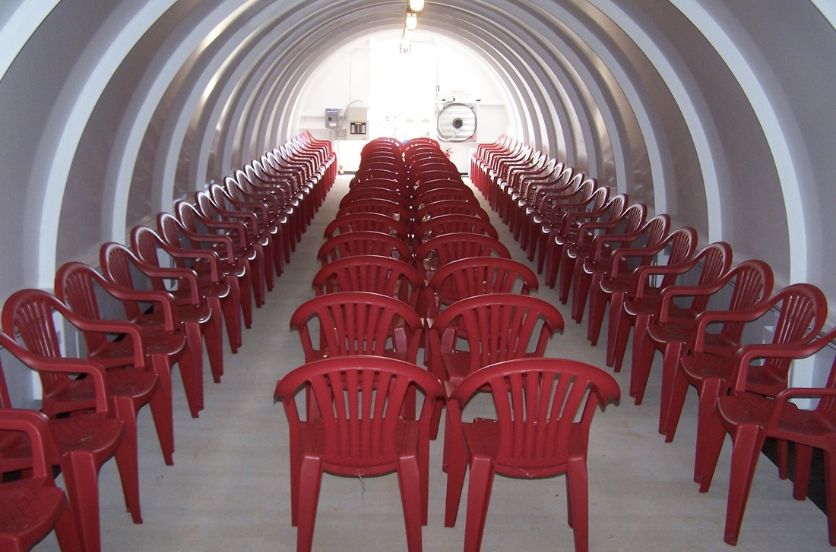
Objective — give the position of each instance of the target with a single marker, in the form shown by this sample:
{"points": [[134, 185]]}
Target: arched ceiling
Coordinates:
{"points": [[111, 109]]}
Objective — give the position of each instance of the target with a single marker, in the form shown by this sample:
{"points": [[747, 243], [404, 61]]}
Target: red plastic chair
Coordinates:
{"points": [[476, 276], [281, 205], [679, 245], [644, 298], [377, 205], [247, 245], [200, 323], [644, 308], [225, 287], [544, 410], [363, 243], [441, 250], [802, 313], [359, 433], [447, 224], [602, 254], [357, 323], [32, 507], [574, 253], [262, 224], [363, 193], [484, 329], [374, 273], [448, 191], [30, 314], [79, 444], [230, 245], [752, 281], [366, 222], [577, 194], [166, 341], [450, 207], [216, 203], [751, 418]]}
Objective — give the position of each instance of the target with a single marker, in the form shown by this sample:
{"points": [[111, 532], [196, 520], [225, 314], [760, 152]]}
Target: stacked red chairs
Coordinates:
{"points": [[673, 299], [412, 249], [208, 261]]}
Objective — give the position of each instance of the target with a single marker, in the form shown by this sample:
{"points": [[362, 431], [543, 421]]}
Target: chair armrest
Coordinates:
{"points": [[36, 427], [109, 326], [704, 319]]}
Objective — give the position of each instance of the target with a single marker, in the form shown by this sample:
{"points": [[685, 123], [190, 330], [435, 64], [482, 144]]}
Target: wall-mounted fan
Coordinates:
{"points": [[456, 122]]}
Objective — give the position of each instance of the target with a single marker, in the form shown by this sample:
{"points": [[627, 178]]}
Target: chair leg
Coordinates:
{"points": [[191, 369], [409, 480], [710, 391], [803, 457], [670, 368], [577, 484], [644, 350], [478, 498], [81, 479], [597, 307], [66, 531], [830, 490], [676, 400], [455, 454], [715, 435], [213, 338], [161, 411], [565, 272], [748, 441], [310, 480], [618, 320], [128, 464]]}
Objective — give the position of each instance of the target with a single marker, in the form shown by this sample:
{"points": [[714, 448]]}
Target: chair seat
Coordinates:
{"points": [[706, 366], [133, 382], [312, 435], [26, 509], [157, 343]]}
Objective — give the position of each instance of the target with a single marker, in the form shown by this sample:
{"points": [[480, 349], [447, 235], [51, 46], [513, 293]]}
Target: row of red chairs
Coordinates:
{"points": [[225, 248], [692, 305], [400, 272]]}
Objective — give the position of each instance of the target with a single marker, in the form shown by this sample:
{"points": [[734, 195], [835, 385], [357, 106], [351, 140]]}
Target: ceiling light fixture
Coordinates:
{"points": [[411, 21], [415, 6]]}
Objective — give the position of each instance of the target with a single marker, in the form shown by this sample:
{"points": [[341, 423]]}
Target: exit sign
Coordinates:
{"points": [[405, 48]]}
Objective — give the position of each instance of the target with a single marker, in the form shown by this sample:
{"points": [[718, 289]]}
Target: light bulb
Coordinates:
{"points": [[411, 21], [415, 6]]}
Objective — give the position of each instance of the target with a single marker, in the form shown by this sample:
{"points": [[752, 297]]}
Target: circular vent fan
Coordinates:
{"points": [[456, 123]]}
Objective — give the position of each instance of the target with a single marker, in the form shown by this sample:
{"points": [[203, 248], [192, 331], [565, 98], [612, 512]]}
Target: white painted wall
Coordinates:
{"points": [[353, 74]]}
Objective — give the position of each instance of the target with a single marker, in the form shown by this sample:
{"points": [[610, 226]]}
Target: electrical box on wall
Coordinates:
{"points": [[357, 121], [332, 117]]}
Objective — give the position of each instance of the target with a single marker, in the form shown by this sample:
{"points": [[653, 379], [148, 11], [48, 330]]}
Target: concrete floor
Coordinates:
{"points": [[229, 488]]}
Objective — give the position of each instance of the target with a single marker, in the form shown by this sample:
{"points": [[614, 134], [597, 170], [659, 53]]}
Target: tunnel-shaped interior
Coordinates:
{"points": [[112, 112]]}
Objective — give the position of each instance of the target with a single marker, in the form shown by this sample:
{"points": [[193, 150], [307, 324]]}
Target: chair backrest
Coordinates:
{"points": [[441, 193], [360, 399], [752, 282], [450, 207], [30, 314], [475, 276], [357, 323], [446, 248], [802, 314], [494, 327], [75, 285], [373, 192], [375, 273], [363, 243], [379, 206], [544, 408], [446, 224], [366, 222]]}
